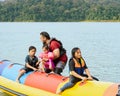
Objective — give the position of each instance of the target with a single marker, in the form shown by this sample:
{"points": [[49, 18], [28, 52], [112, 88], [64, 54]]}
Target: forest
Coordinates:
{"points": [[59, 10]]}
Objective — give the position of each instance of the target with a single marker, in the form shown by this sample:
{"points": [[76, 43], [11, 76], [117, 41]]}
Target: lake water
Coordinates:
{"points": [[99, 43]]}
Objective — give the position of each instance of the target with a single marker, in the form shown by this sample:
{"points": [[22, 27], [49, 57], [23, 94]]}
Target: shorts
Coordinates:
{"points": [[61, 65], [27, 69]]}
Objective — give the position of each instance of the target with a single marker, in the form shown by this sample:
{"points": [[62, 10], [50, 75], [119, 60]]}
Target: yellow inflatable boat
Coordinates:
{"points": [[41, 84]]}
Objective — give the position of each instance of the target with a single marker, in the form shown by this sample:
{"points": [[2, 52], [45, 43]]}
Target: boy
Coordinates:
{"points": [[31, 63]]}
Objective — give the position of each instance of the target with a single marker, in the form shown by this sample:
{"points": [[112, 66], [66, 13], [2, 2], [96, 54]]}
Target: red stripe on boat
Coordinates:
{"points": [[112, 90], [1, 62], [41, 81]]}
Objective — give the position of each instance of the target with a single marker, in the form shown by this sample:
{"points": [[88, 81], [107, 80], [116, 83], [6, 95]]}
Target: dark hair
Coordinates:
{"points": [[45, 46], [73, 51], [45, 34], [32, 47]]}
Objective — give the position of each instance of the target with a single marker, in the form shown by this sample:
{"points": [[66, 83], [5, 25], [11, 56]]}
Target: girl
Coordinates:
{"points": [[77, 66], [46, 59]]}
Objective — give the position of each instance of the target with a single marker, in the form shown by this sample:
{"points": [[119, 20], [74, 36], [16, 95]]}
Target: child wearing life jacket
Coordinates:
{"points": [[77, 66], [46, 59]]}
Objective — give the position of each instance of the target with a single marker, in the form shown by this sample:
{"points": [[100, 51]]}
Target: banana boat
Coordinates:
{"points": [[43, 84]]}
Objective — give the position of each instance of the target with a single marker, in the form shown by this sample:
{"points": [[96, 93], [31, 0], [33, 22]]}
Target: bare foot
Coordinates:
{"points": [[58, 91], [52, 72], [17, 81]]}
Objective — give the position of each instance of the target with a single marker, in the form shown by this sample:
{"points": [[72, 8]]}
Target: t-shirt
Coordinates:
{"points": [[31, 61], [79, 70], [55, 45]]}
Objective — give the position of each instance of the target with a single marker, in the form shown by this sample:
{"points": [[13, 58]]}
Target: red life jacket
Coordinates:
{"points": [[62, 50]]}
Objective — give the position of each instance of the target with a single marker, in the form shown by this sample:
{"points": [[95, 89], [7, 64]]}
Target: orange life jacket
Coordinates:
{"points": [[79, 68], [77, 64]]}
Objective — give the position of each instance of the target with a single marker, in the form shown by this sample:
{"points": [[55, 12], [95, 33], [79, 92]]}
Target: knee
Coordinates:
{"points": [[58, 70], [72, 84], [22, 71]]}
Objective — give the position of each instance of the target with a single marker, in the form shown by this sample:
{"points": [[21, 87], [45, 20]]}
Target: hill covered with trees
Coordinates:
{"points": [[59, 10]]}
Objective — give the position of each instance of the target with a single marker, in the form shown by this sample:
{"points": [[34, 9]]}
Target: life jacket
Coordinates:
{"points": [[48, 55], [62, 50], [79, 67]]}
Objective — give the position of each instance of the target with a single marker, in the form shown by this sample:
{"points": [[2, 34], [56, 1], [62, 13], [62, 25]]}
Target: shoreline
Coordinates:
{"points": [[62, 21]]}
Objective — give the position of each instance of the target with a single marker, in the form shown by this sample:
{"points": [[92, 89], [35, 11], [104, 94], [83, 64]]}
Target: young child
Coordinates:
{"points": [[46, 59], [31, 63]]}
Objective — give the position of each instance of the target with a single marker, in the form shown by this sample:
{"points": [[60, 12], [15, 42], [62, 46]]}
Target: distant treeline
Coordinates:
{"points": [[59, 10]]}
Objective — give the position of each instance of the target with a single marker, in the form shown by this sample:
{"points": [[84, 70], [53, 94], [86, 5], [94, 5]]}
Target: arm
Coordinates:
{"points": [[43, 56], [56, 53], [38, 62], [88, 73], [54, 46], [29, 66], [77, 75]]}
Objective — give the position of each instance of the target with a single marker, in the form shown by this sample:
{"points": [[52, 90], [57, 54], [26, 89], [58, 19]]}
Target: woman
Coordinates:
{"points": [[77, 66]]}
